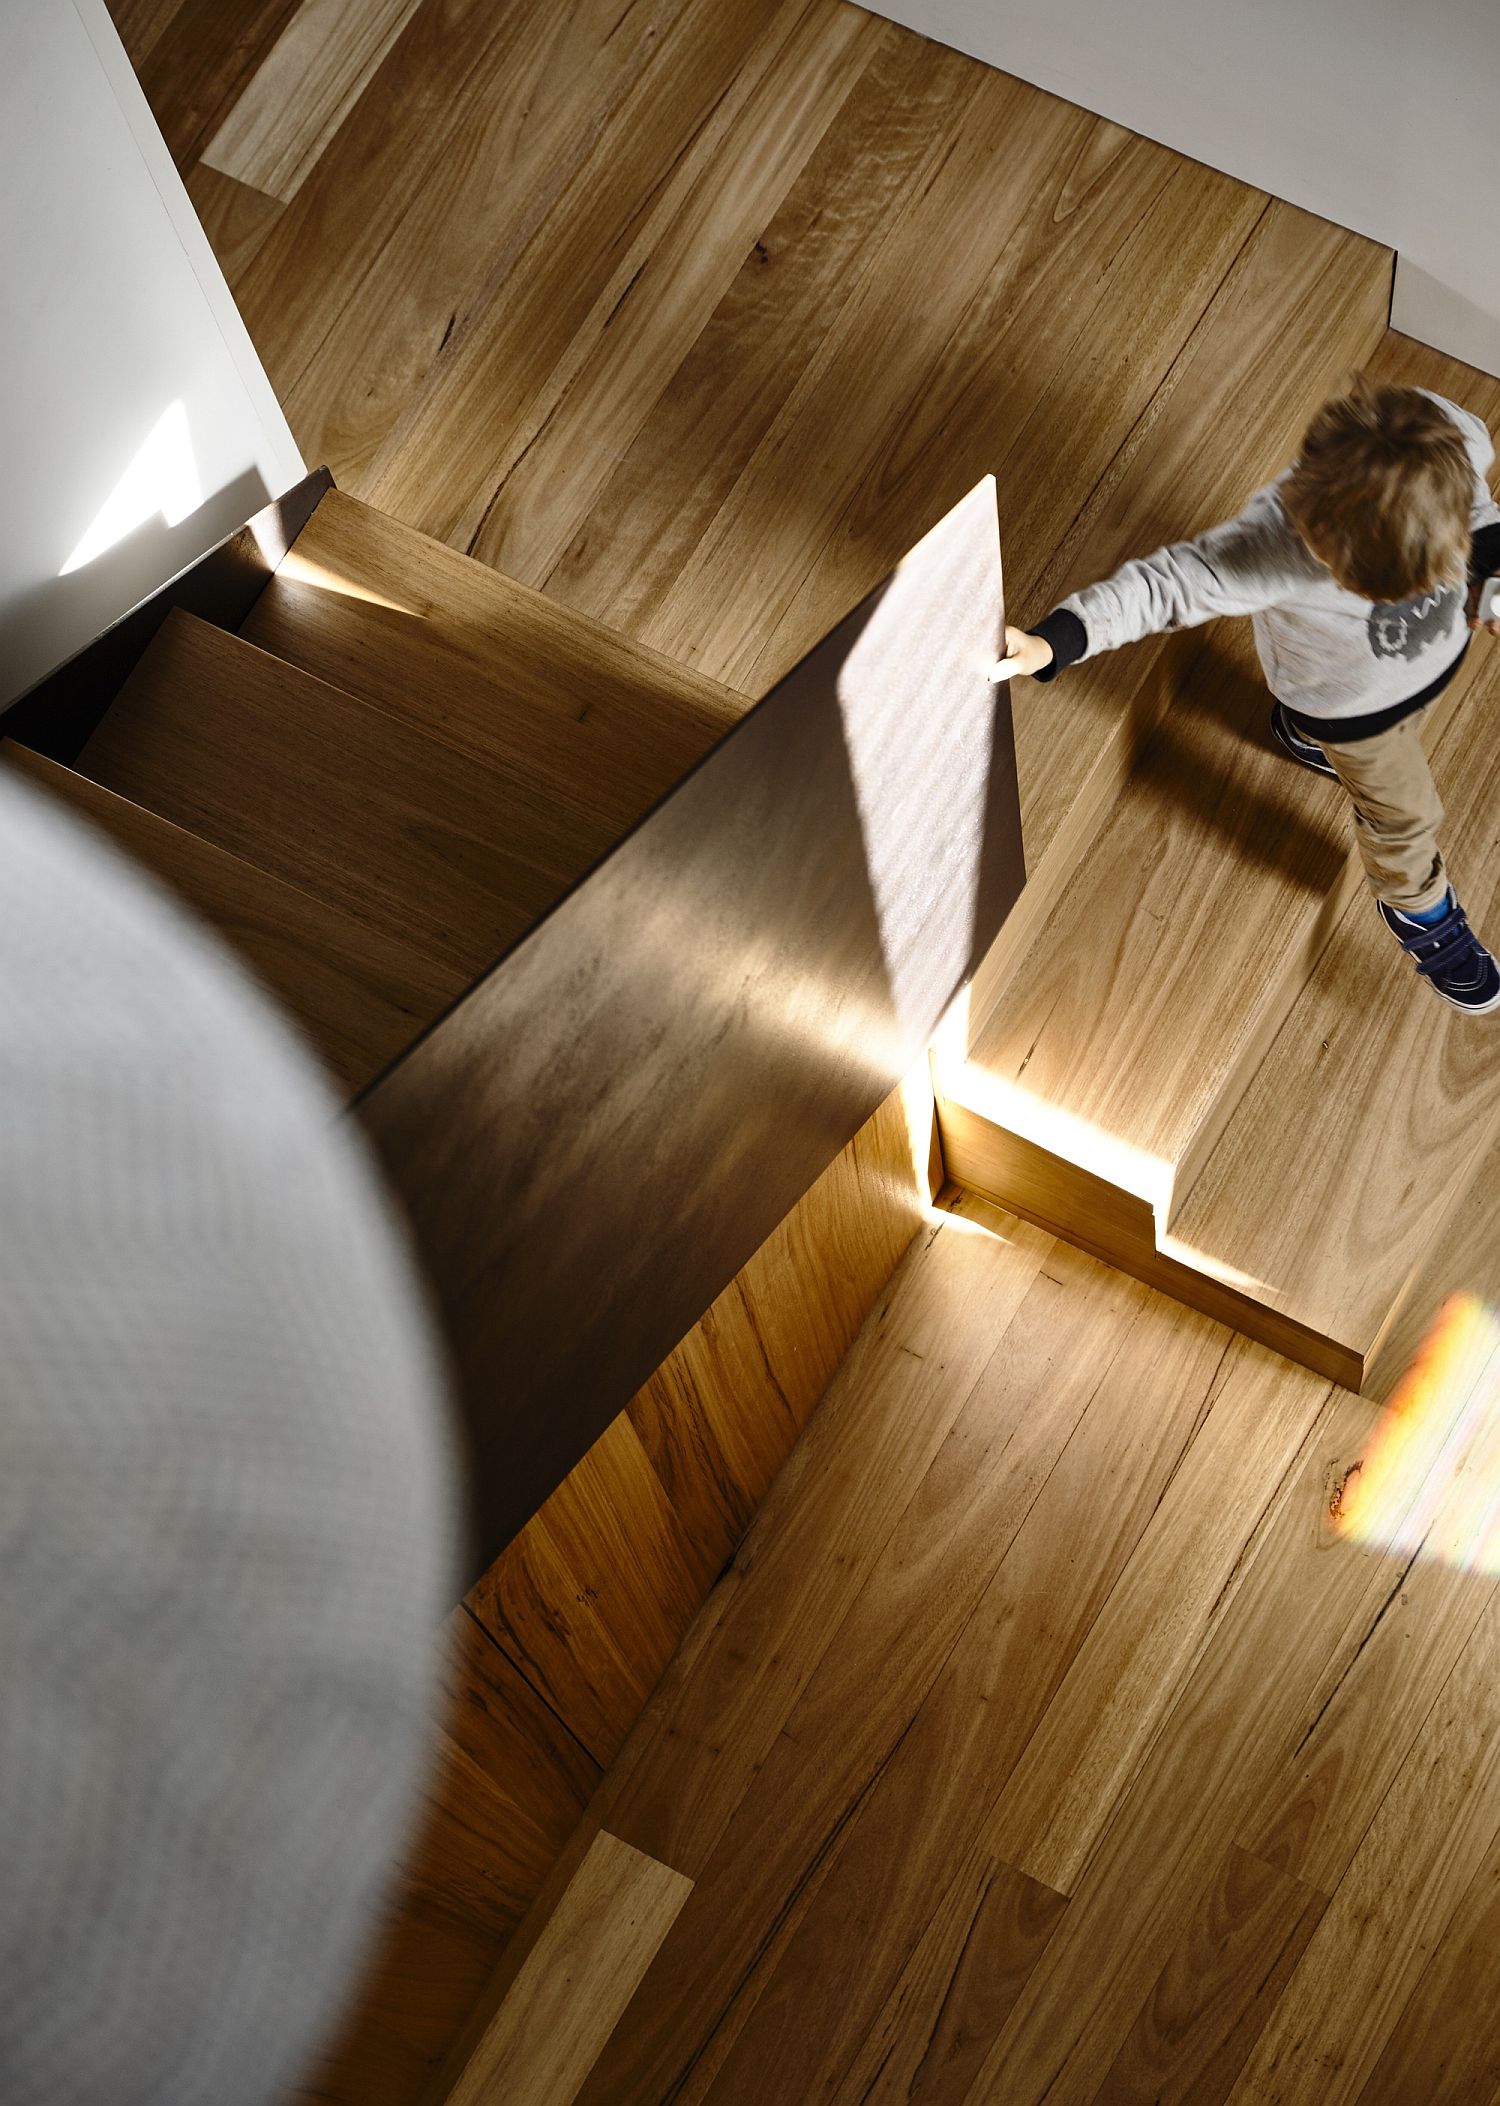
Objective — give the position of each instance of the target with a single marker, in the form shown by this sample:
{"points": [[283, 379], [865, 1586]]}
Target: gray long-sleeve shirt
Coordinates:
{"points": [[1328, 654]]}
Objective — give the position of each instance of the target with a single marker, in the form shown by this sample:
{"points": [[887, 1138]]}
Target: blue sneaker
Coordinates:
{"points": [[1449, 955], [1304, 751]]}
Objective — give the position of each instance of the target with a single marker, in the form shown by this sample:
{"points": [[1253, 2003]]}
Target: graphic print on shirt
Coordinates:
{"points": [[1405, 628]]}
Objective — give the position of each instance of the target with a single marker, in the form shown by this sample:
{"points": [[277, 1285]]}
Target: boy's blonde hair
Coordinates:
{"points": [[1383, 491]]}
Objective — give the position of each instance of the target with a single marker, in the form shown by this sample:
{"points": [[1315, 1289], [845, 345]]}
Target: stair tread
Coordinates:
{"points": [[359, 997], [1175, 950], [295, 775], [1356, 1139], [1359, 1133], [1228, 416], [1338, 1151], [578, 718]]}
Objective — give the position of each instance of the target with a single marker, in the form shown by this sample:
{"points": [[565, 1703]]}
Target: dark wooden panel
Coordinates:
{"points": [[58, 715], [716, 1421], [595, 1141]]}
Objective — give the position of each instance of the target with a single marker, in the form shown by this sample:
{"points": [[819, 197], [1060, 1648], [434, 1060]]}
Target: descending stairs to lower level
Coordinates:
{"points": [[360, 995], [1209, 1062], [394, 770]]}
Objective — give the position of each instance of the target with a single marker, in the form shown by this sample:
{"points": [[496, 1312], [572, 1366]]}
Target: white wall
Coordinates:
{"points": [[125, 371], [1383, 115]]}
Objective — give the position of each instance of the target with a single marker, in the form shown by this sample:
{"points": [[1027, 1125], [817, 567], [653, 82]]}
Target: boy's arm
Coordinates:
{"points": [[1484, 513], [1484, 518], [1232, 569]]}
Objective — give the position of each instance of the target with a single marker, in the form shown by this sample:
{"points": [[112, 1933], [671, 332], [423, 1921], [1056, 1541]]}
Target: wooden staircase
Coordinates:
{"points": [[1200, 1055], [394, 770], [1194, 1050]]}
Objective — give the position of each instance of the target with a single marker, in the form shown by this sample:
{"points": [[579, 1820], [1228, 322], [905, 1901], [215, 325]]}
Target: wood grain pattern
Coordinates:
{"points": [[785, 298], [1464, 1259], [391, 826], [719, 1416], [1212, 1998], [201, 62], [360, 997], [997, 1682], [312, 77], [235, 218], [1299, 304], [1318, 1164], [858, 1930], [610, 1516], [961, 275], [719, 1774], [578, 1978], [141, 24], [541, 497], [1319, 1798], [1402, 1113], [531, 327], [439, 178], [889, 1387], [1445, 2044], [821, 1830], [1135, 1661], [1325, 2035], [573, 716], [972, 229], [1178, 949], [1301, 1602], [990, 1162], [964, 1978], [508, 1785]]}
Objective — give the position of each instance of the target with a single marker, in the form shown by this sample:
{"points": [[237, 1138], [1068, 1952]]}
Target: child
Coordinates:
{"points": [[1354, 566]]}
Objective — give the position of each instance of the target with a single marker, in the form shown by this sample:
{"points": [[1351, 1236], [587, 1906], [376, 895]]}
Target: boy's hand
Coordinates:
{"points": [[1493, 625], [1024, 654]]}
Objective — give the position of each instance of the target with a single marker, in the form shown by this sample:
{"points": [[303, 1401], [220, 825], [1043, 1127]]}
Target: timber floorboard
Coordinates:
{"points": [[1050, 1739]]}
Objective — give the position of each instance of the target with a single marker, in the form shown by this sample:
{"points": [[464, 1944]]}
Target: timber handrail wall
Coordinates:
{"points": [[597, 1137]]}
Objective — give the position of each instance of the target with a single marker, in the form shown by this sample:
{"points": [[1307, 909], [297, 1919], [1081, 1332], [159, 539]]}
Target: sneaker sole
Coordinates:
{"points": [[1466, 1008]]}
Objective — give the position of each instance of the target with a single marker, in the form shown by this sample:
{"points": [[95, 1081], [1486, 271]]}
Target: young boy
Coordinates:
{"points": [[1356, 566]]}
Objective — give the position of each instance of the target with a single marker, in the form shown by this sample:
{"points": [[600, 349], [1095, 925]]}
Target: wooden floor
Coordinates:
{"points": [[697, 313], [1046, 1739], [1049, 1740]]}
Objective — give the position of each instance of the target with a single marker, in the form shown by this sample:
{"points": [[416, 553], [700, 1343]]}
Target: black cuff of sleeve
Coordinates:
{"points": [[1484, 557], [1068, 637]]}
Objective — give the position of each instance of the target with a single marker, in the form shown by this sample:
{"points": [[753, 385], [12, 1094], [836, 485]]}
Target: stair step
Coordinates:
{"points": [[345, 801], [1343, 1155], [358, 996], [1228, 416], [1463, 1261], [1365, 1124], [580, 721], [1132, 1089], [1129, 1031]]}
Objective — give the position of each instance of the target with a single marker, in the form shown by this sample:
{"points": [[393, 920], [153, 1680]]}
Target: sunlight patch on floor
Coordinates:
{"points": [[1431, 1476]]}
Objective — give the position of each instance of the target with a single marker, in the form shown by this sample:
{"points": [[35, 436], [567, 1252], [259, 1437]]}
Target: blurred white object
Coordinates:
{"points": [[226, 1507]]}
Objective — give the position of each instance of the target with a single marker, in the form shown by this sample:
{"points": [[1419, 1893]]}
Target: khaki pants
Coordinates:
{"points": [[1397, 812]]}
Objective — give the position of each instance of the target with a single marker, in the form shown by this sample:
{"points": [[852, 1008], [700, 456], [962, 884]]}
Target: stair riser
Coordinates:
{"points": [[1112, 1225]]}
